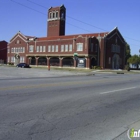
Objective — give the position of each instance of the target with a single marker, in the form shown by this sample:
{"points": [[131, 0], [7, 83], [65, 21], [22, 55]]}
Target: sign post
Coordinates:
{"points": [[75, 56], [75, 59]]}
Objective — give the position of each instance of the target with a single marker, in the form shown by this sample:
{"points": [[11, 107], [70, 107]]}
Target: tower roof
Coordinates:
{"points": [[58, 7]]}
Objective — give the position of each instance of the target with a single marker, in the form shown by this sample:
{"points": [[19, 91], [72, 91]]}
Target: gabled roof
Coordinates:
{"points": [[115, 31], [18, 34], [22, 36]]}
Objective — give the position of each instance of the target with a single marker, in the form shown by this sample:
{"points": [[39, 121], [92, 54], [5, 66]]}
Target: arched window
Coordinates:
{"points": [[50, 15], [40, 48], [56, 14], [53, 14]]}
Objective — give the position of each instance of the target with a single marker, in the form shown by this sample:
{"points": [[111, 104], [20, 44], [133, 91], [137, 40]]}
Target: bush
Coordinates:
{"points": [[10, 63], [96, 67], [127, 67]]}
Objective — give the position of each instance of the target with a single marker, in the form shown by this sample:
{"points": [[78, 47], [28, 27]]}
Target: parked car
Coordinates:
{"points": [[23, 65]]}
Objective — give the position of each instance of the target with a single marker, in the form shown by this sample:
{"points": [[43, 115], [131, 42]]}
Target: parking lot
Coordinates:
{"points": [[14, 72]]}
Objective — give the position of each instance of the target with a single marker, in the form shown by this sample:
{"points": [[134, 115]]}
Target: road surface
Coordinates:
{"points": [[70, 107]]}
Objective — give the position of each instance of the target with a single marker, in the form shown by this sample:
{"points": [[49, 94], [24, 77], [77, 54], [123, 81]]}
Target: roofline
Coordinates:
{"points": [[16, 35], [76, 35], [116, 28], [3, 41], [57, 7]]}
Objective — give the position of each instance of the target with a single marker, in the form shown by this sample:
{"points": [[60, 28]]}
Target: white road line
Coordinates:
{"points": [[118, 90]]}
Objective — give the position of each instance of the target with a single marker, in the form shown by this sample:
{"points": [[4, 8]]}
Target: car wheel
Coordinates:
{"points": [[17, 66], [22, 66]]}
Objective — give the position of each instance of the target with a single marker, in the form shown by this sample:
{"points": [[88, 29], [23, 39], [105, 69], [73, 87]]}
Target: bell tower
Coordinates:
{"points": [[56, 21]]}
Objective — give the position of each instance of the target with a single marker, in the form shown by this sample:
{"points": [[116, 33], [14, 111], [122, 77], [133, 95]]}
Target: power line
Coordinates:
{"points": [[78, 27], [80, 20], [87, 23], [27, 7], [133, 39], [68, 17], [44, 13], [135, 45], [37, 4]]}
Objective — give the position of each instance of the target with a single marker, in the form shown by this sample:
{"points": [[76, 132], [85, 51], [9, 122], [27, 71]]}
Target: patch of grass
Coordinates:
{"points": [[120, 72], [64, 69]]}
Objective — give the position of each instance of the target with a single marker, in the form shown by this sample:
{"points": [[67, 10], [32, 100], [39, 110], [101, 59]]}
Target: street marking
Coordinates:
{"points": [[58, 84], [53, 84], [118, 90]]}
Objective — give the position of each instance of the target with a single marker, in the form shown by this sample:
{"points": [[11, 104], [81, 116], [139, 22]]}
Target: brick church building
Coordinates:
{"points": [[106, 49]]}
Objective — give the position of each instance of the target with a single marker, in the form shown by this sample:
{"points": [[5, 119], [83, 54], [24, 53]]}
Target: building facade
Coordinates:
{"points": [[3, 52], [106, 49]]}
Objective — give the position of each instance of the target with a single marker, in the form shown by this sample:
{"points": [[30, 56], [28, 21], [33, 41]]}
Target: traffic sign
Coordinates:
{"points": [[75, 54]]}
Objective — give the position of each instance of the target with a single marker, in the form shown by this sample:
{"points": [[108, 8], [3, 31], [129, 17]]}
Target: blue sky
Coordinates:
{"points": [[95, 16]]}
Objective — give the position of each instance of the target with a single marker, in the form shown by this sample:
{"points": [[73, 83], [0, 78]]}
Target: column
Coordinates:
{"points": [[74, 62], [36, 61], [60, 62], [88, 62], [46, 60], [29, 60], [48, 63]]}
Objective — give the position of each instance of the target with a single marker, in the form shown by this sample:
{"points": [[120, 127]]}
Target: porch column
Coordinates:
{"points": [[74, 62], [60, 62], [36, 61], [29, 60], [88, 62], [48, 61]]}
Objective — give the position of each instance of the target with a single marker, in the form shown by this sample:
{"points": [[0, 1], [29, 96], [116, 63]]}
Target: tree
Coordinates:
{"points": [[135, 59], [127, 52]]}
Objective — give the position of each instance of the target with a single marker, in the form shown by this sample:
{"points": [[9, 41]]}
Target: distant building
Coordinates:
{"points": [[3, 52], [106, 49], [134, 66]]}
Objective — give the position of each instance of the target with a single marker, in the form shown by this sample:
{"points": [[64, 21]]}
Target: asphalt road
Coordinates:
{"points": [[38, 105]]}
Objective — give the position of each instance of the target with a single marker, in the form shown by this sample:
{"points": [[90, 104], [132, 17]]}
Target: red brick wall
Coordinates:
{"points": [[56, 26], [102, 54], [59, 42], [3, 51], [110, 54]]}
